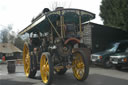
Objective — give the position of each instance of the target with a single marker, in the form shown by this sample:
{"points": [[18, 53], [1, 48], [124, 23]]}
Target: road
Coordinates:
{"points": [[97, 76]]}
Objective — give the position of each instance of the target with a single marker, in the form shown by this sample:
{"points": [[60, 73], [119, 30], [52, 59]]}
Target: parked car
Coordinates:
{"points": [[120, 59], [104, 56]]}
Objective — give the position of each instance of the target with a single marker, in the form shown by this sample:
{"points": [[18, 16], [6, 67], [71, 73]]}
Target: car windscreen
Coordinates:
{"points": [[122, 47], [112, 47]]}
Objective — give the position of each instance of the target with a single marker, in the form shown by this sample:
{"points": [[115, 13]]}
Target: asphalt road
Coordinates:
{"points": [[97, 76]]}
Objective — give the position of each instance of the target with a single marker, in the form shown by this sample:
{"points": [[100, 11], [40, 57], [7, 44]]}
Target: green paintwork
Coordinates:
{"points": [[70, 16]]}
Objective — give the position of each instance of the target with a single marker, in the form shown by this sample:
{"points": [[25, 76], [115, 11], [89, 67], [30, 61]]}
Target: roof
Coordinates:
{"points": [[8, 48], [70, 15], [92, 23]]}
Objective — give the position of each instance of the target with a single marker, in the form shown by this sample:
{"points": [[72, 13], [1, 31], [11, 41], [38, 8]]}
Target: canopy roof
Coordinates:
{"points": [[70, 16]]}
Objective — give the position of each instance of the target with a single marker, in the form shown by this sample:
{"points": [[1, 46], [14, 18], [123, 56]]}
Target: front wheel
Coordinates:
{"points": [[107, 63], [46, 68], [27, 60], [80, 65]]}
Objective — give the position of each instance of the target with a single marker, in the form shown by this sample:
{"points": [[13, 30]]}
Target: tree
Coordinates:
{"points": [[12, 37], [19, 42], [9, 36], [115, 13], [4, 36], [54, 4]]}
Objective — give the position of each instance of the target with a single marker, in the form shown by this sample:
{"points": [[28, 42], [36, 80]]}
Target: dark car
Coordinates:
{"points": [[120, 59], [104, 56]]}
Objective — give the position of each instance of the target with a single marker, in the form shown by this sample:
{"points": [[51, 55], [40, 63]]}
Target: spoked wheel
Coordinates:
{"points": [[27, 60], [46, 68], [80, 65]]}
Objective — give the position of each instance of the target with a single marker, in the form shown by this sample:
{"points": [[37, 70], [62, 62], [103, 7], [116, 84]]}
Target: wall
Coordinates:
{"points": [[98, 37]]}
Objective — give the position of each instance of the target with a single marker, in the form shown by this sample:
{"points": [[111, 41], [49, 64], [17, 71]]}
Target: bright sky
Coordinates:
{"points": [[19, 13]]}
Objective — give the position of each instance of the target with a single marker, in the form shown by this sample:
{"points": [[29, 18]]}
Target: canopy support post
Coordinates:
{"points": [[80, 25], [61, 23], [53, 27], [63, 27]]}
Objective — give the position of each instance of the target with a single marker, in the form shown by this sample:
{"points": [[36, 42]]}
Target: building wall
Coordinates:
{"points": [[87, 36], [98, 37], [11, 56]]}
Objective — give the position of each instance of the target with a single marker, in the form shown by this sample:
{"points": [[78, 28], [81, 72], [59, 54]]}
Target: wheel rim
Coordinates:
{"points": [[78, 66], [26, 60], [44, 69]]}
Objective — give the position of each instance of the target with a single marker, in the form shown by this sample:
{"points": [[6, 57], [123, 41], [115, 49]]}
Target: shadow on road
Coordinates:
{"points": [[13, 82], [67, 79], [124, 70], [93, 79]]}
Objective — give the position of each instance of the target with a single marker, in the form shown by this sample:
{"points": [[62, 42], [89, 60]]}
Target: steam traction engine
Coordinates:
{"points": [[56, 44]]}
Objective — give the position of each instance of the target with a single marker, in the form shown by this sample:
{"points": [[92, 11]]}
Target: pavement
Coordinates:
{"points": [[97, 76]]}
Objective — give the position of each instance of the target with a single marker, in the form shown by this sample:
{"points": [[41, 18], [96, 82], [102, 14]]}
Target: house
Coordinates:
{"points": [[97, 37], [9, 51]]}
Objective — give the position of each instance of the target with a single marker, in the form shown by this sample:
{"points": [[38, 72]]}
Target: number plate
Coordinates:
{"points": [[93, 60], [115, 62]]}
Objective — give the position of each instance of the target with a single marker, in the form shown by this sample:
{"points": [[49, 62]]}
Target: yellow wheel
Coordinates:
{"points": [[27, 60], [46, 68], [80, 65]]}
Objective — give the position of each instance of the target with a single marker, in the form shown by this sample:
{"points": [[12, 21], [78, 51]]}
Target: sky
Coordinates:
{"points": [[19, 13]]}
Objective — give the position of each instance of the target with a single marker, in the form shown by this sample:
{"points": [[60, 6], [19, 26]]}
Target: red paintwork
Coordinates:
{"points": [[72, 39]]}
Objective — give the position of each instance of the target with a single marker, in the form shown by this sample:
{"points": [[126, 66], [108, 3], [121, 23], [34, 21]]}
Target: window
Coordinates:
{"points": [[122, 47], [9, 54]]}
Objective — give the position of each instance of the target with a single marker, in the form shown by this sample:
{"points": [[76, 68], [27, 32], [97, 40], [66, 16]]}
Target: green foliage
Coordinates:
{"points": [[9, 36], [115, 13], [4, 36]]}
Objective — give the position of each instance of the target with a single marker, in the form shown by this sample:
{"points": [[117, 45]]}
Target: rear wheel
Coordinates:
{"points": [[80, 65], [46, 68], [27, 60]]}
